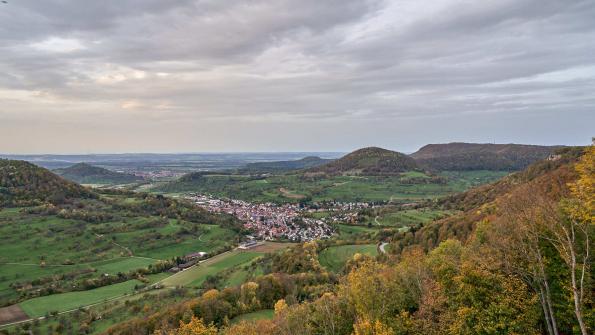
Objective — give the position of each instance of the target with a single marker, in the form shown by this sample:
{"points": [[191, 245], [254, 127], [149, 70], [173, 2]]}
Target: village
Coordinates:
{"points": [[291, 222]]}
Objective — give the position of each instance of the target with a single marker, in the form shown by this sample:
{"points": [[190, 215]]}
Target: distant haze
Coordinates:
{"points": [[293, 75]]}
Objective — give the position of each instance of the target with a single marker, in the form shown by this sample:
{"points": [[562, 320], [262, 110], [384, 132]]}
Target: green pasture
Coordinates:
{"points": [[409, 217], [196, 275], [67, 301], [334, 258], [258, 315]]}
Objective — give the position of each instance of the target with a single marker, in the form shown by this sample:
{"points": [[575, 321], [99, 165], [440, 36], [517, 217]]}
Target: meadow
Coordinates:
{"points": [[196, 275], [334, 258], [258, 315]]}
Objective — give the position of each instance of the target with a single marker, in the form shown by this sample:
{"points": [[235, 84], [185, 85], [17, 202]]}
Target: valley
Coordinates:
{"points": [[99, 260]]}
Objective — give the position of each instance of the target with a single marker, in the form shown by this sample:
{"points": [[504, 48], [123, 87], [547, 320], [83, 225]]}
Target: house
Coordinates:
{"points": [[195, 255]]}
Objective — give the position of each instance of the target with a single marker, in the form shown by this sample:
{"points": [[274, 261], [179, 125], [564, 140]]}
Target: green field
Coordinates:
{"points": [[196, 275], [408, 186], [348, 230], [258, 315], [72, 300], [334, 258], [404, 218]]}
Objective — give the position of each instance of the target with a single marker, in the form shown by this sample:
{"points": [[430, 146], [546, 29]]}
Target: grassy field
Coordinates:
{"points": [[408, 186], [66, 301], [334, 258], [403, 218], [347, 230], [196, 275], [258, 315]]}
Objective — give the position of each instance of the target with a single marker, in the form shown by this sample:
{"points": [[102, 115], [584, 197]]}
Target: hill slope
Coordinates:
{"points": [[22, 183], [84, 173], [474, 156], [547, 177], [368, 161], [282, 166]]}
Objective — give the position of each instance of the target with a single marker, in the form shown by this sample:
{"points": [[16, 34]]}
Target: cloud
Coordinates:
{"points": [[195, 64]]}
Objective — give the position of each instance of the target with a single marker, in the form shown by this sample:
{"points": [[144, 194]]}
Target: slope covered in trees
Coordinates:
{"points": [[25, 184], [370, 161], [475, 156], [84, 173], [480, 203]]}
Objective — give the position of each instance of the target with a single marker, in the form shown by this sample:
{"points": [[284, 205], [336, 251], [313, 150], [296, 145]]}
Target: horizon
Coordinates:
{"points": [[290, 76], [4, 154]]}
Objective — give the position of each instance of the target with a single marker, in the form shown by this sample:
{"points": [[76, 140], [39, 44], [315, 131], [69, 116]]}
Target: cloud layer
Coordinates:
{"points": [[207, 75]]}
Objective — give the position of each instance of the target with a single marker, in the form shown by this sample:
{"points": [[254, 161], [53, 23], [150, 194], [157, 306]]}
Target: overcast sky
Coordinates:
{"points": [[293, 75]]}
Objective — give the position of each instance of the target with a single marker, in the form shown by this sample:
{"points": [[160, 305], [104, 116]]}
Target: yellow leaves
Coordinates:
{"points": [[367, 327], [280, 306], [248, 295], [583, 190], [260, 327], [194, 327], [210, 294]]}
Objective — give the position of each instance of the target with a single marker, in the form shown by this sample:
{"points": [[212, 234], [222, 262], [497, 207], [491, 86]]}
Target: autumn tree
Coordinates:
{"points": [[572, 235], [367, 327], [194, 327]]}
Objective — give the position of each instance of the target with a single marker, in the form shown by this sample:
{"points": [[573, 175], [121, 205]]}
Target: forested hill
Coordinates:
{"points": [[84, 173], [25, 184], [282, 166], [368, 161], [548, 178], [474, 156]]}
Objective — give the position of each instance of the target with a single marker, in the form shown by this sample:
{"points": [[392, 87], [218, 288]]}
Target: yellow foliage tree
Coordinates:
{"points": [[280, 306], [573, 239], [260, 327], [194, 327], [367, 327], [210, 294]]}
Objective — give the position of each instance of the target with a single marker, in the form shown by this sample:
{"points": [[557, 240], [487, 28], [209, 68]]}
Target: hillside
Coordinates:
{"points": [[370, 161], [474, 156], [24, 184], [84, 173], [549, 177], [283, 166]]}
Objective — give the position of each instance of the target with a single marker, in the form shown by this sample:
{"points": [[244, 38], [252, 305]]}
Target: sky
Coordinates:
{"points": [[293, 75]]}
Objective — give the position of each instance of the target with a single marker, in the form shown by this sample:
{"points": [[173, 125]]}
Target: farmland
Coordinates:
{"points": [[58, 252], [409, 186], [195, 276]]}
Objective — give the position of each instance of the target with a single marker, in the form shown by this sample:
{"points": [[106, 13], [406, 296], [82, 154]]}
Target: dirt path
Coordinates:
{"points": [[383, 246], [118, 244], [376, 220]]}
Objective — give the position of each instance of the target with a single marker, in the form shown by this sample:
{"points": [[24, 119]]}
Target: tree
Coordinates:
{"points": [[194, 327], [259, 327], [280, 306], [367, 327], [571, 235], [515, 241]]}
